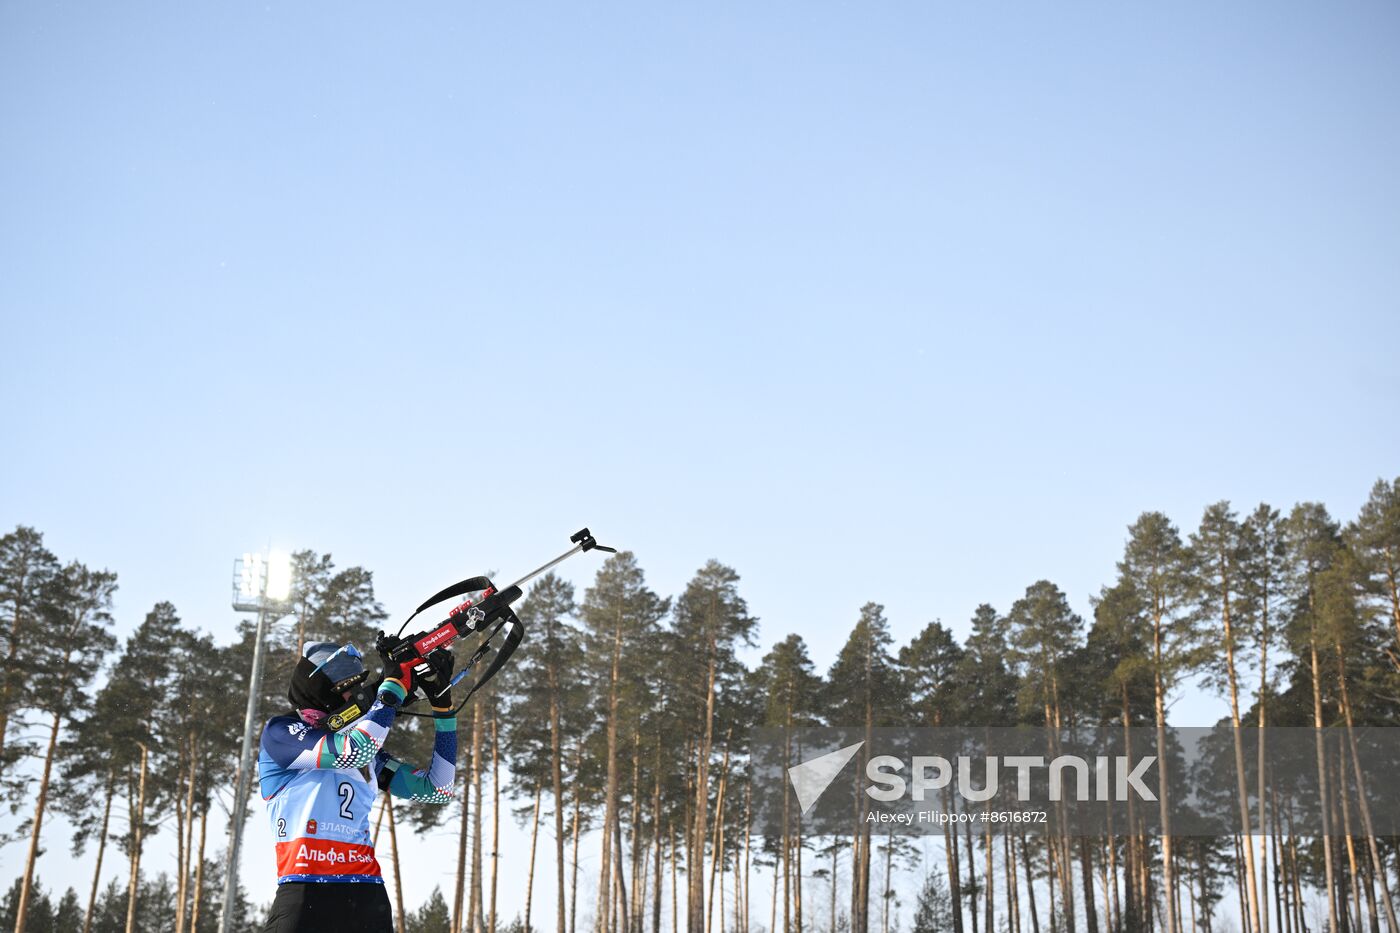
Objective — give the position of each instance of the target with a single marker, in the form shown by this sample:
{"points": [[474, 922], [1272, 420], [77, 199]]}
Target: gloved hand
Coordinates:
{"points": [[434, 677], [400, 674]]}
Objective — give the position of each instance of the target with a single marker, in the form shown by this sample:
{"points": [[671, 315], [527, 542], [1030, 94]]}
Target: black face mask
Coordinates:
{"points": [[313, 689]]}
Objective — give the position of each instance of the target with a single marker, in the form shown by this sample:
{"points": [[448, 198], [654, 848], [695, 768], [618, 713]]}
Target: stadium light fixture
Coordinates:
{"points": [[261, 584]]}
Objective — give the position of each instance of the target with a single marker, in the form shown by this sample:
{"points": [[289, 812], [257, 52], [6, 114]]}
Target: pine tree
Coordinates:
{"points": [[76, 611], [984, 685], [1216, 555], [91, 764], [40, 912], [1348, 630], [1045, 632], [711, 622], [985, 695], [929, 665], [791, 693], [1154, 564], [27, 571], [549, 705], [864, 690], [431, 917], [934, 911], [201, 733], [1119, 670], [1314, 541], [1375, 540], [1045, 635], [620, 614], [135, 712], [68, 914]]}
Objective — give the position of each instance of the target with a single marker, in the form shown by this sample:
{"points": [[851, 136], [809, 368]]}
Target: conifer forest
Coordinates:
{"points": [[616, 743]]}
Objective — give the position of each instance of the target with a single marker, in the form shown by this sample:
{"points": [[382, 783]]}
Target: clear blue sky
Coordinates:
{"points": [[916, 303]]}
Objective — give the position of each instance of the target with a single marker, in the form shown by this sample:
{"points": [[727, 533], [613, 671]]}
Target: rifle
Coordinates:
{"points": [[486, 612]]}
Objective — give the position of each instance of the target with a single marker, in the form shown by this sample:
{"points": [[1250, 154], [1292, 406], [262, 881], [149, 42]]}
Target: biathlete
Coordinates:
{"points": [[320, 768]]}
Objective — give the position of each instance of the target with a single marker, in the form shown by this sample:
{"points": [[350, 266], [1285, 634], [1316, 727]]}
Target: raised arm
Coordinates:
{"points": [[433, 784], [295, 746]]}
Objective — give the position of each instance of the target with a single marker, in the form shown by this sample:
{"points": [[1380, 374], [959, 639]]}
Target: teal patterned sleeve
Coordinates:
{"points": [[435, 783]]}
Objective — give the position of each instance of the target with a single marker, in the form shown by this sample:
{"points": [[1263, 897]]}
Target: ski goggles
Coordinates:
{"points": [[344, 666]]}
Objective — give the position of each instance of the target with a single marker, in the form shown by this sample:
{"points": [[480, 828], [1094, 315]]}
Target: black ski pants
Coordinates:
{"points": [[329, 907]]}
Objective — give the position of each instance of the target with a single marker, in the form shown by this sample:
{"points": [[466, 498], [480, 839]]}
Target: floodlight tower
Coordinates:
{"points": [[261, 584]]}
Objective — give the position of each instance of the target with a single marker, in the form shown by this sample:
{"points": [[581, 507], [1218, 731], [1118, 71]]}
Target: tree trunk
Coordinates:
{"points": [[675, 887], [1281, 893], [398, 867], [785, 838], [22, 910], [1008, 867], [1160, 709], [198, 871], [797, 873], [1241, 793], [860, 866], [557, 778], [573, 881], [1030, 884], [180, 845], [656, 831], [137, 834], [972, 886], [475, 908], [623, 922], [1353, 865], [101, 849], [747, 878], [530, 872], [186, 854], [696, 899], [1263, 702], [637, 859], [773, 908], [988, 868], [950, 856], [1201, 881], [718, 844], [835, 853], [1177, 889], [1113, 907], [1297, 875], [1322, 789], [495, 817], [855, 859], [1238, 842], [1066, 857], [605, 881], [888, 892], [863, 903], [1133, 901], [463, 831], [1086, 871], [1367, 825]]}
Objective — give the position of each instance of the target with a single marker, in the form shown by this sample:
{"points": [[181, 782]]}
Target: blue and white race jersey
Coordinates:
{"points": [[320, 785]]}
